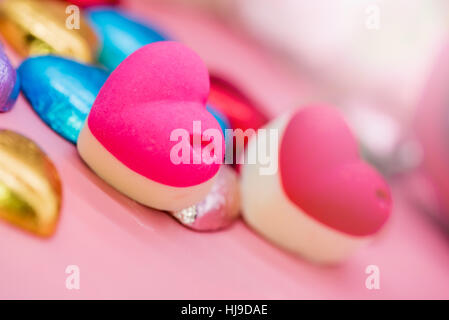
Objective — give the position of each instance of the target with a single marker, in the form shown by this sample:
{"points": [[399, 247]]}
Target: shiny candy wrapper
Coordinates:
{"points": [[220, 117], [61, 91], [240, 111], [89, 3], [219, 209], [120, 34], [30, 188], [9, 84], [39, 27]]}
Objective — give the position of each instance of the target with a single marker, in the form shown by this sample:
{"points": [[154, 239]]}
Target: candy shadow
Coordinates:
{"points": [[128, 215]]}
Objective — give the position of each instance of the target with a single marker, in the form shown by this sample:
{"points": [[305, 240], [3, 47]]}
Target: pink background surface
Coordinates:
{"points": [[125, 250]]}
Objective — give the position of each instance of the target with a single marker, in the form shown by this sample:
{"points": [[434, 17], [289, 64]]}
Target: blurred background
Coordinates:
{"points": [[381, 62]]}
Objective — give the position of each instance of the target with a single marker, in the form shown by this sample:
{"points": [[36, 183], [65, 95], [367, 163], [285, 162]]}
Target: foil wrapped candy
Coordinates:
{"points": [[30, 187], [9, 84], [34, 27]]}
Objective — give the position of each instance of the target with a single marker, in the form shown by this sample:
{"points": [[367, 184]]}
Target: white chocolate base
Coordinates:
{"points": [[132, 184], [267, 210]]}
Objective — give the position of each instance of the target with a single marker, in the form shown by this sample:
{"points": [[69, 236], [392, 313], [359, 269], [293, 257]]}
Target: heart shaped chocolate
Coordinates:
{"points": [[324, 200], [131, 131]]}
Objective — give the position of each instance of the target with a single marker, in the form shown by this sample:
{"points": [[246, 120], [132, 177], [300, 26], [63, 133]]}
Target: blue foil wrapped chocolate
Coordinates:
{"points": [[61, 91], [119, 34]]}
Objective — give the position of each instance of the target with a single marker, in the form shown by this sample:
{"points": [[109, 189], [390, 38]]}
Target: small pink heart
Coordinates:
{"points": [[322, 173]]}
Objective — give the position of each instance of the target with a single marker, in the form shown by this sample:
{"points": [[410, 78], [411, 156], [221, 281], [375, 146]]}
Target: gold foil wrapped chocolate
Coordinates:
{"points": [[39, 27], [30, 188]]}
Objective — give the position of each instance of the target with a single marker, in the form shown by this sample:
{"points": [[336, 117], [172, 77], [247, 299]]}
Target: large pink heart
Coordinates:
{"points": [[161, 87]]}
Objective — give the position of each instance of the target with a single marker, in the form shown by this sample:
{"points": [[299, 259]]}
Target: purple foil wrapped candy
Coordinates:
{"points": [[9, 84]]}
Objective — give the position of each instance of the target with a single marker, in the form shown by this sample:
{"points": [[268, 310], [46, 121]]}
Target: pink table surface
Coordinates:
{"points": [[125, 250]]}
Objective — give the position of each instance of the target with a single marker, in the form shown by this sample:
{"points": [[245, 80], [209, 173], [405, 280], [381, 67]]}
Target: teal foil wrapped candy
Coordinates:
{"points": [[119, 35], [220, 117], [61, 91], [9, 84]]}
